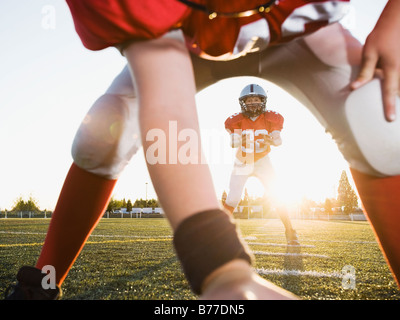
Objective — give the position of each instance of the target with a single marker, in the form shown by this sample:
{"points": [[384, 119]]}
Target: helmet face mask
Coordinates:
{"points": [[253, 107]]}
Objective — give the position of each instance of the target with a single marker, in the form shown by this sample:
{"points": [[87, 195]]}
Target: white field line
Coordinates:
{"points": [[290, 254], [126, 236], [268, 236], [343, 241], [311, 273], [20, 232], [250, 238], [272, 237], [270, 244], [170, 236], [93, 235]]}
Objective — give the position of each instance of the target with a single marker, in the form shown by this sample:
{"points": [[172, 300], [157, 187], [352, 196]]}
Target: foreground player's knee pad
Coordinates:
{"points": [[377, 139], [108, 137]]}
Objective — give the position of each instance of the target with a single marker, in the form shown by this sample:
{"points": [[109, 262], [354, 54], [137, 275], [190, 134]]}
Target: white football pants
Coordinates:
{"points": [[261, 169]]}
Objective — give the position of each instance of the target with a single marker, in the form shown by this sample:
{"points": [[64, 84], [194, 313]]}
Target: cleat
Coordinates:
{"points": [[291, 238], [29, 286]]}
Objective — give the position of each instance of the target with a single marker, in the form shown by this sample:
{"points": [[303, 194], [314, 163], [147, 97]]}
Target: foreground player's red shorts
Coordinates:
{"points": [[105, 23]]}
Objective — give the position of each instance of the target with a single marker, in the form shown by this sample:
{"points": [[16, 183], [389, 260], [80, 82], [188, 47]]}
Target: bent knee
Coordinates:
{"points": [[107, 137]]}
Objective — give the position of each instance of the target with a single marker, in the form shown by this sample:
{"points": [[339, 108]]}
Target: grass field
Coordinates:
{"points": [[134, 259]]}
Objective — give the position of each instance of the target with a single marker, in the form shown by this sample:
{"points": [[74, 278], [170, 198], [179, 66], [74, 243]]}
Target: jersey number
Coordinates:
{"points": [[254, 141]]}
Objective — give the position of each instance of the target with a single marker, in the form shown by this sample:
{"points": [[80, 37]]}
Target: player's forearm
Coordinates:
{"points": [[170, 60]]}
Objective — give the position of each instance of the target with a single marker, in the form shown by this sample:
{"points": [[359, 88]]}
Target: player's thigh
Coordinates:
{"points": [[317, 70], [265, 172]]}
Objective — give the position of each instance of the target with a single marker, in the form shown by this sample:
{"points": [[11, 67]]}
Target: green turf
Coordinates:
{"points": [[134, 259]]}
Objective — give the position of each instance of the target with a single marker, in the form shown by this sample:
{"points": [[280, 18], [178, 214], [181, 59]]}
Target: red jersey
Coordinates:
{"points": [[253, 149], [105, 23]]}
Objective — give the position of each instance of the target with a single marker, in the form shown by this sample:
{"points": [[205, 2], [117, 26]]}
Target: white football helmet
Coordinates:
{"points": [[256, 108]]}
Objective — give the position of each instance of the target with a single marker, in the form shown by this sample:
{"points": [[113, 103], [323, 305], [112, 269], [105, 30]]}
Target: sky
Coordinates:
{"points": [[48, 81]]}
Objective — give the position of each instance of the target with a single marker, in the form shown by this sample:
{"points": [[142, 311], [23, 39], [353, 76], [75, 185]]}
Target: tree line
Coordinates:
{"points": [[346, 201], [115, 204], [31, 205]]}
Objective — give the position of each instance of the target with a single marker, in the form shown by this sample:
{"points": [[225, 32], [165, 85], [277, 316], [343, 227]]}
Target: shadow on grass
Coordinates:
{"points": [[293, 261]]}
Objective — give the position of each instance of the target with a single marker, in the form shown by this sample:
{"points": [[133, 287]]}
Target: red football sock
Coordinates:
{"points": [[381, 202], [82, 202]]}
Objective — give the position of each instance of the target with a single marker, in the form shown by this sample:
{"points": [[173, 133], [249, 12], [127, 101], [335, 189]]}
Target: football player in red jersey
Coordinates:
{"points": [[298, 45], [253, 131]]}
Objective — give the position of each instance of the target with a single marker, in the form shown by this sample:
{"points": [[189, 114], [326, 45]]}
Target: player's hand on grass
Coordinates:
{"points": [[236, 280]]}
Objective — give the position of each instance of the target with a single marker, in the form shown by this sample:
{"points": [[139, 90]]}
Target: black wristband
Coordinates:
{"points": [[206, 241]]}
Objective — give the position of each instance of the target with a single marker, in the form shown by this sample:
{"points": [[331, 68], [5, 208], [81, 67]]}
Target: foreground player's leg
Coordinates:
{"points": [[320, 69], [104, 143], [376, 168], [83, 200], [106, 140], [166, 92], [381, 201]]}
